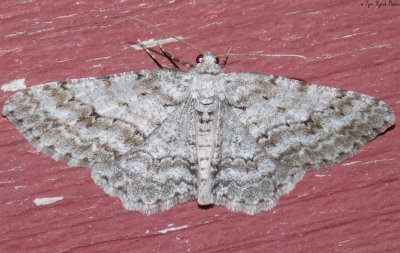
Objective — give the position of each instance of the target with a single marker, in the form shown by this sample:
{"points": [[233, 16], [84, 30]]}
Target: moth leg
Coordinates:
{"points": [[154, 58], [173, 59]]}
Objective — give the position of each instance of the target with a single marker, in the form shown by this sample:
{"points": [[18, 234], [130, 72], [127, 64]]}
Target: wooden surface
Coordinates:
{"points": [[351, 207]]}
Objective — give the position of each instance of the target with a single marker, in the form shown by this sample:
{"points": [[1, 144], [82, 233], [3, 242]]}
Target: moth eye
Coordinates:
{"points": [[199, 58], [216, 60]]}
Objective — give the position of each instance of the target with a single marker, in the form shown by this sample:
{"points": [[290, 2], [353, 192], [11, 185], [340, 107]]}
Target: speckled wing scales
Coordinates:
{"points": [[161, 172], [305, 126], [282, 128], [95, 120], [247, 179], [155, 138]]}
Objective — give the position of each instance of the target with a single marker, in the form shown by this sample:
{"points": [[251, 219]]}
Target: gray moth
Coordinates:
{"points": [[155, 138]]}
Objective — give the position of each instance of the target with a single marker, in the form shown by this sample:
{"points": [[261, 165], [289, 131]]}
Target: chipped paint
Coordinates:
{"points": [[7, 182], [46, 201], [153, 43], [377, 161], [349, 35], [313, 12], [164, 231], [99, 58], [14, 34], [43, 30], [351, 163], [65, 16], [18, 84], [293, 12]]}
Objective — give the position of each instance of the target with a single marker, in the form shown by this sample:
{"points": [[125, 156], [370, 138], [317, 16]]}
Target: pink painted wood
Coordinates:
{"points": [[351, 207]]}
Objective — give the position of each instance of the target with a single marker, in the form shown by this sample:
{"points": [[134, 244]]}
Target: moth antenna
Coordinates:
{"points": [[273, 55], [226, 57], [168, 34]]}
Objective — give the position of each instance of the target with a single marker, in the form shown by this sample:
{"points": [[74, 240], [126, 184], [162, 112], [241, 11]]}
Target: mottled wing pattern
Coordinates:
{"points": [[161, 172], [305, 126], [96, 120], [275, 129], [246, 178], [137, 132]]}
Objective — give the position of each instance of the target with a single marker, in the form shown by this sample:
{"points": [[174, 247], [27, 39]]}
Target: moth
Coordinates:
{"points": [[155, 138]]}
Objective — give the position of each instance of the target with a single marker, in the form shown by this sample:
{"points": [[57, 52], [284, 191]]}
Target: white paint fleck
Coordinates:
{"points": [[46, 201], [16, 201], [293, 12], [99, 58], [313, 12], [164, 231], [377, 161], [344, 241], [18, 84], [14, 34], [65, 60], [320, 175], [349, 35], [303, 195], [210, 24], [40, 31], [13, 168], [153, 43], [66, 16], [351, 163], [7, 182]]}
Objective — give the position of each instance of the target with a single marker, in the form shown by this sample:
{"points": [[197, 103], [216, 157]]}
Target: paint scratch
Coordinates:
{"points": [[153, 43], [164, 231]]}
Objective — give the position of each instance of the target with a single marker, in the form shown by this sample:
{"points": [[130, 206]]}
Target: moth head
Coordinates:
{"points": [[207, 63], [210, 57]]}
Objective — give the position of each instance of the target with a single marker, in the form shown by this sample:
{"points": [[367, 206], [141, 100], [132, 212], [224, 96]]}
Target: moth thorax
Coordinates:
{"points": [[206, 136]]}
